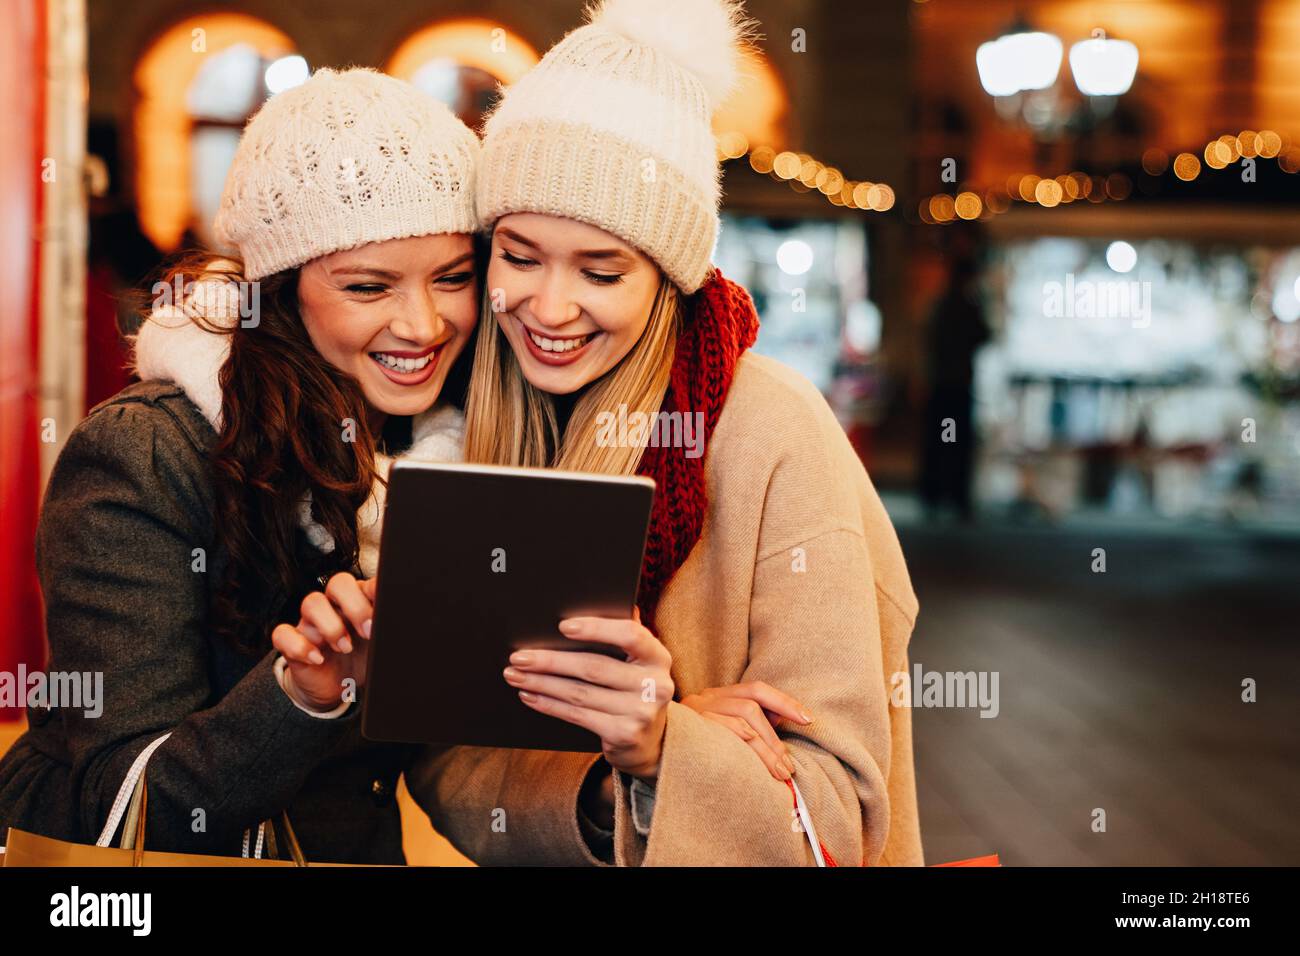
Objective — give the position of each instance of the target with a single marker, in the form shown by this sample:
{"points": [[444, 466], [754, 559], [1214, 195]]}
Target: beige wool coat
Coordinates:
{"points": [[797, 580]]}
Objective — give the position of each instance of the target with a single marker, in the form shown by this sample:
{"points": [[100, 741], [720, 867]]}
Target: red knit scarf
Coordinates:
{"points": [[720, 324]]}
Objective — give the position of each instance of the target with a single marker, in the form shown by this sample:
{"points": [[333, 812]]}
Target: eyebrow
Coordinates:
{"points": [[363, 269], [452, 263], [619, 255]]}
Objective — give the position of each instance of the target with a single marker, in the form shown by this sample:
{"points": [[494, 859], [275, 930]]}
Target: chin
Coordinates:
{"points": [[555, 381], [407, 405], [412, 402]]}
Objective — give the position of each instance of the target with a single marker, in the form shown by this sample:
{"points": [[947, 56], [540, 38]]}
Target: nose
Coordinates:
{"points": [[552, 305], [420, 321]]}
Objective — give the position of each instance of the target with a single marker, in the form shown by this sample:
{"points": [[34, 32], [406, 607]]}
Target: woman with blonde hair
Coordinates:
{"points": [[774, 588]]}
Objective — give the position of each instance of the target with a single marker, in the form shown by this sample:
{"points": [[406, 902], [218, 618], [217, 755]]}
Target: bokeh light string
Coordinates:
{"points": [[805, 174]]}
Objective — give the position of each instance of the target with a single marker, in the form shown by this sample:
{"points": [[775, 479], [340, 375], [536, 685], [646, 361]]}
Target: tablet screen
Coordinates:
{"points": [[475, 563]]}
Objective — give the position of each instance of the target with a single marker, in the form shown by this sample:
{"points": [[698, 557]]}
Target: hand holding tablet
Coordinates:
{"points": [[624, 702]]}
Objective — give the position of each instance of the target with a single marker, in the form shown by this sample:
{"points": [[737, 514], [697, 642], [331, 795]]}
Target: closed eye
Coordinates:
{"points": [[454, 280], [366, 288], [514, 260], [603, 278]]}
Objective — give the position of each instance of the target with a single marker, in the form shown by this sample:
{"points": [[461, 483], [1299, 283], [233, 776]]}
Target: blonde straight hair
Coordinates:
{"points": [[509, 421]]}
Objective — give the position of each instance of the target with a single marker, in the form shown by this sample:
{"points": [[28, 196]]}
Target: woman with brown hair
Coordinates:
{"points": [[186, 519]]}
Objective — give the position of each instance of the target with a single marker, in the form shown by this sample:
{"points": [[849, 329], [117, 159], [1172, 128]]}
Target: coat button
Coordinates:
{"points": [[381, 792]]}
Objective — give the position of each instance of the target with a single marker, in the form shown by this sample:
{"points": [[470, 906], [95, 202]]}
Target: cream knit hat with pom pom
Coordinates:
{"points": [[612, 128], [345, 159]]}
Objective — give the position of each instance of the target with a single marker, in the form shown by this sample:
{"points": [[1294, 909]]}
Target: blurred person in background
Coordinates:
{"points": [[956, 329]]}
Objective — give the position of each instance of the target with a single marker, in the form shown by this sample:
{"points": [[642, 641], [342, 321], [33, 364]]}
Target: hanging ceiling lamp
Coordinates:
{"points": [[1103, 67], [1020, 60]]}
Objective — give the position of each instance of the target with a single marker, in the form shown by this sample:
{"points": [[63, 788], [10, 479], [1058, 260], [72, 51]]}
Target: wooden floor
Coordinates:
{"points": [[1118, 691]]}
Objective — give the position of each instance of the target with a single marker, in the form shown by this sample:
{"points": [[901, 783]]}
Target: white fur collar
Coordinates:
{"points": [[170, 346]]}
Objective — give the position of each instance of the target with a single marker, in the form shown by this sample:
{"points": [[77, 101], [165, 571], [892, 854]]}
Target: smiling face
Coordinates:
{"points": [[394, 315], [573, 299]]}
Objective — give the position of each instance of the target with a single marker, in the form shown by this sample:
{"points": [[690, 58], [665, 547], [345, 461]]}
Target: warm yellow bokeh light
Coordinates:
{"points": [[880, 197], [1048, 192], [830, 181], [761, 158], [1187, 167], [732, 145], [942, 207], [1234, 148], [968, 205], [787, 165]]}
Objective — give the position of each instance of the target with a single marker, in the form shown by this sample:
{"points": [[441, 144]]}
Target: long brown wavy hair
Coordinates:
{"points": [[285, 411]]}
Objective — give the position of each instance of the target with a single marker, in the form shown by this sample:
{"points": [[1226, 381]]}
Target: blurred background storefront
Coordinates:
{"points": [[1043, 258]]}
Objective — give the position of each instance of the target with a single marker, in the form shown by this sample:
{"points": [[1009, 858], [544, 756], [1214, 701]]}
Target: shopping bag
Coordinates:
{"points": [[132, 802]]}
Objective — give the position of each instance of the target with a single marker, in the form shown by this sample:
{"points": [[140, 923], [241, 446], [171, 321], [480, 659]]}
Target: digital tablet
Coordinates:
{"points": [[476, 562]]}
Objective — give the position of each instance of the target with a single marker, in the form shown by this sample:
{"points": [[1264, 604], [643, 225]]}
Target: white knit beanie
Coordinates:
{"points": [[612, 128], [345, 159]]}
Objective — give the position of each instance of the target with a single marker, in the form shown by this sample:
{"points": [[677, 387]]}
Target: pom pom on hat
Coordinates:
{"points": [[705, 37], [613, 128]]}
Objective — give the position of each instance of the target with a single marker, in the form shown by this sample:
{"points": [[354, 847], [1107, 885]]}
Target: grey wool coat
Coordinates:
{"points": [[129, 500]]}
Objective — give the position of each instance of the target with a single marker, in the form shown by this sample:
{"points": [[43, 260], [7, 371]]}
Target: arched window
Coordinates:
{"points": [[461, 62], [197, 84]]}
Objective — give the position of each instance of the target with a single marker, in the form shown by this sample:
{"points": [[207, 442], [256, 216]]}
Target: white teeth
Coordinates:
{"points": [[401, 364], [558, 345]]}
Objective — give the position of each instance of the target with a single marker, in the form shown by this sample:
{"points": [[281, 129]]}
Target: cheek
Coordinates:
{"points": [[460, 311], [623, 312], [504, 286], [338, 332]]}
